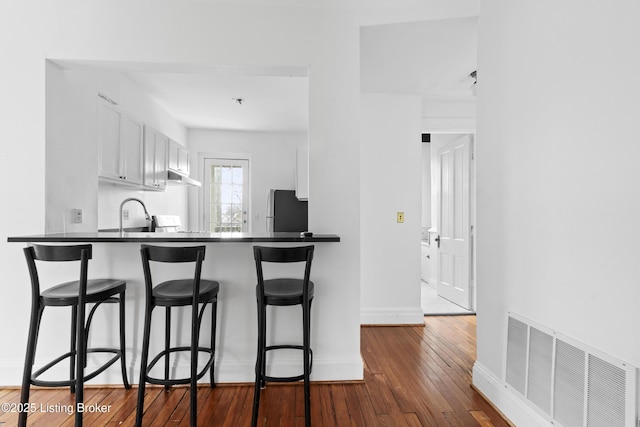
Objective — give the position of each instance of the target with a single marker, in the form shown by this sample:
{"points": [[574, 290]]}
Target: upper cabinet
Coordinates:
{"points": [[178, 158], [120, 146], [135, 154], [155, 159]]}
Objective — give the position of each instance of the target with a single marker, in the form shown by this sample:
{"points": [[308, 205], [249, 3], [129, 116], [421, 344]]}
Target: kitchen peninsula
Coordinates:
{"points": [[179, 237], [229, 260]]}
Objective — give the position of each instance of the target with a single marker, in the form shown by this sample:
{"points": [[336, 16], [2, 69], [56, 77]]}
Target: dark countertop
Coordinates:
{"points": [[141, 237]]}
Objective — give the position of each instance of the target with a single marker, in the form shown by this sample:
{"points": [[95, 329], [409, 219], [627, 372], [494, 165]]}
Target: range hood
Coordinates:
{"points": [[178, 178]]}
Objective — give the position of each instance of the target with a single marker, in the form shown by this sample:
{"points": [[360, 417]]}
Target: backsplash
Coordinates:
{"points": [[172, 201]]}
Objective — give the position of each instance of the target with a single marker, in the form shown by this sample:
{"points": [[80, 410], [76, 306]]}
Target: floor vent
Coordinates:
{"points": [[567, 382]]}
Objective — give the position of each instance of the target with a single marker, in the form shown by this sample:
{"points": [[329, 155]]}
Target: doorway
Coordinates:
{"points": [[447, 285], [226, 195]]}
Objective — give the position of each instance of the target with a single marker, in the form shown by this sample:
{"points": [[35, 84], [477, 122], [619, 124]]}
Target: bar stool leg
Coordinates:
{"points": [[143, 364], [195, 336], [214, 317], [34, 327], [263, 348], [81, 352], [123, 344], [260, 363], [72, 347], [167, 344], [306, 323]]}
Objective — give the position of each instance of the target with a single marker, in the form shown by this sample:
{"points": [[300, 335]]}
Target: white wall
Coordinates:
{"points": [[449, 115], [71, 150], [391, 177], [190, 33], [557, 172], [272, 163]]}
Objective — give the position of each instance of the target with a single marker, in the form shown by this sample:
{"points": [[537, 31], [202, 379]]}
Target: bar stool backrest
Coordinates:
{"points": [[58, 253], [34, 253], [173, 254], [283, 255], [169, 254]]}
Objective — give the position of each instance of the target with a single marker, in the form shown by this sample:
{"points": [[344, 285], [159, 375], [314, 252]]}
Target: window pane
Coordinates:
{"points": [[237, 175], [236, 194], [226, 192], [226, 175]]}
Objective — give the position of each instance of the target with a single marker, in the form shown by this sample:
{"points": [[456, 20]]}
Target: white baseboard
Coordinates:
{"points": [[505, 400], [392, 316], [324, 369]]}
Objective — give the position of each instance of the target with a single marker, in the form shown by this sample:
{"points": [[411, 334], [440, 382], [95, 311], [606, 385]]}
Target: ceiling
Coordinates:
{"points": [[229, 101], [431, 56]]}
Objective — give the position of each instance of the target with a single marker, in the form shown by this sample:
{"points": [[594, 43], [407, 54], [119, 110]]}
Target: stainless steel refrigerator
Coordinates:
{"points": [[285, 212]]}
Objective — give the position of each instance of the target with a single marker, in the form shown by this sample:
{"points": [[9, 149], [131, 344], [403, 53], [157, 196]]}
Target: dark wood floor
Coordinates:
{"points": [[414, 376]]}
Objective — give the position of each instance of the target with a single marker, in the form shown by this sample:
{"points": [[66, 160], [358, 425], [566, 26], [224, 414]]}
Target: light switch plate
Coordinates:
{"points": [[77, 216], [400, 217]]}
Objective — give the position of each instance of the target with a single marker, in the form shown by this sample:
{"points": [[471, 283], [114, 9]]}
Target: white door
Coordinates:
{"points": [[454, 228], [226, 195]]}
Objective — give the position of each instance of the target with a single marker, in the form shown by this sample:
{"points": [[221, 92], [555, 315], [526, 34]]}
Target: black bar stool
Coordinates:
{"points": [[283, 292], [177, 293], [75, 294]]}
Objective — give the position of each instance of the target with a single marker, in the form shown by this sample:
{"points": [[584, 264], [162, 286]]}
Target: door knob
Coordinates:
{"points": [[437, 239]]}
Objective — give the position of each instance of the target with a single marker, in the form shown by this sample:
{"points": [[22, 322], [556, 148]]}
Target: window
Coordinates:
{"points": [[226, 195]]}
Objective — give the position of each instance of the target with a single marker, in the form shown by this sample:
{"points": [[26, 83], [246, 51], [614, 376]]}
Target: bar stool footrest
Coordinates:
{"points": [[177, 381], [294, 378], [65, 383]]}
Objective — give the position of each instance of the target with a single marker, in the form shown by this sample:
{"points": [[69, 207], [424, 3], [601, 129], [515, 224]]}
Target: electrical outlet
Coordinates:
{"points": [[77, 216], [400, 217], [125, 214]]}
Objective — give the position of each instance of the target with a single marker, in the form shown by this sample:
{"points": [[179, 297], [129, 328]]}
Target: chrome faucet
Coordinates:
{"points": [[133, 199]]}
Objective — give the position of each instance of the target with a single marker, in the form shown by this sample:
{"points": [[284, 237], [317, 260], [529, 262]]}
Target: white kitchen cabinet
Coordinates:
{"points": [[425, 261], [120, 146], [178, 158], [302, 172], [155, 159], [109, 133]]}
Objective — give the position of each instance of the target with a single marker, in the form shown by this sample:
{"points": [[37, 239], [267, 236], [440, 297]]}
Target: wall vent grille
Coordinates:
{"points": [[540, 369], [565, 381], [517, 354], [606, 394]]}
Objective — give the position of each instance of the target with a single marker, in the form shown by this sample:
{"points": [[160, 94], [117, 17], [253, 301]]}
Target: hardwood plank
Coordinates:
{"points": [[239, 413], [339, 401], [183, 412], [123, 403], [164, 405], [273, 400], [481, 418], [214, 410]]}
